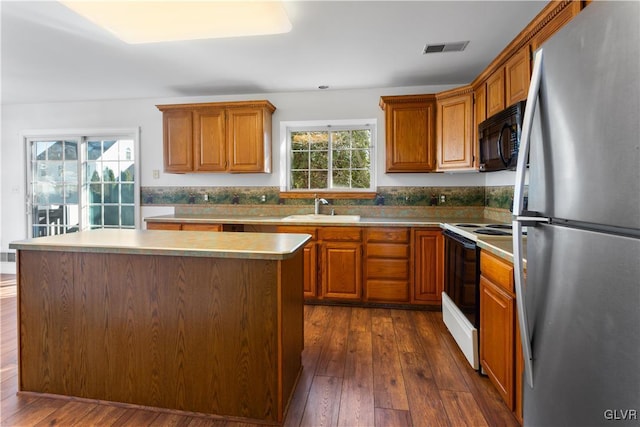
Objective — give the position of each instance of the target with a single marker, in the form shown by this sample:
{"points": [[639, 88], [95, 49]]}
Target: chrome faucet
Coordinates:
{"points": [[317, 202]]}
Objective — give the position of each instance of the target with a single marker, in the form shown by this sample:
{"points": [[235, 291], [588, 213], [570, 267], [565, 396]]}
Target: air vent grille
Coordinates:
{"points": [[445, 47]]}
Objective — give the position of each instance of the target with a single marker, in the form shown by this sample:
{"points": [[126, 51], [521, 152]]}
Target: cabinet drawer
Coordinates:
{"points": [[164, 226], [388, 235], [387, 291], [340, 234], [388, 268], [202, 227], [496, 270], [299, 229], [387, 250]]}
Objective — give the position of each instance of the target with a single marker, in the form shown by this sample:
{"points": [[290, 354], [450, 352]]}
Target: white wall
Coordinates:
{"points": [[312, 105]]}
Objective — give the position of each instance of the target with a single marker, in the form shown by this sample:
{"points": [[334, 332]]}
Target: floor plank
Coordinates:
{"points": [[361, 367]]}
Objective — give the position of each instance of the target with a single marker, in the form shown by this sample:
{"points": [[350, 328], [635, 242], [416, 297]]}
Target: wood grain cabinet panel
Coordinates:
{"points": [[201, 227], [178, 141], [454, 130], [341, 270], [497, 338], [232, 137], [495, 92], [410, 133], [517, 72], [164, 226], [310, 259], [388, 265], [210, 147], [428, 264]]}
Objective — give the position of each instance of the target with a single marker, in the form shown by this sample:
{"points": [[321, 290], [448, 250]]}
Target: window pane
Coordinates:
{"points": [[300, 160], [111, 170], [95, 193], [93, 172], [319, 160], [95, 215], [318, 179], [360, 159], [70, 171], [111, 215], [127, 193], [299, 141], [299, 180], [126, 150], [341, 159], [360, 179], [341, 140], [319, 140], [127, 216], [341, 178], [361, 138], [54, 152], [94, 150], [128, 174], [71, 193], [71, 150], [56, 196], [111, 193]]}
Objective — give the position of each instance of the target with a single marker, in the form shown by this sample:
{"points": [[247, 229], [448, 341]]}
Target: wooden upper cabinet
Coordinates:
{"points": [[209, 140], [178, 141], [517, 72], [249, 138], [217, 137], [410, 132], [455, 143], [495, 92]]}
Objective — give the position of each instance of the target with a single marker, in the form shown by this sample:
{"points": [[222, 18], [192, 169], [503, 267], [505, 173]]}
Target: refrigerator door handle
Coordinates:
{"points": [[518, 210]]}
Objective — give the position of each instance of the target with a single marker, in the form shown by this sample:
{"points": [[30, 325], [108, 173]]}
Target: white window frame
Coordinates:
{"points": [[57, 134], [286, 127]]}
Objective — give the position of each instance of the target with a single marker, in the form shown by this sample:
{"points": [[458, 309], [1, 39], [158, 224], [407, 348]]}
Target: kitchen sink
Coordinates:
{"points": [[323, 218]]}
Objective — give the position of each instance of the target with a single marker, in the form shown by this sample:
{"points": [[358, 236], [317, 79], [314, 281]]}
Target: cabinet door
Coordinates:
{"points": [[310, 259], [246, 140], [341, 270], [495, 92], [410, 137], [497, 338], [517, 74], [428, 261], [209, 140], [455, 132], [178, 141]]}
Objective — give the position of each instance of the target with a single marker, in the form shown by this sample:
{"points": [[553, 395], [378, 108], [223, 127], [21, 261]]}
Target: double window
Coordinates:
{"points": [[334, 157], [82, 182]]}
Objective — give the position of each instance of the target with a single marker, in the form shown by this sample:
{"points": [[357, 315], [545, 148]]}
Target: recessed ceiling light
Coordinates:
{"points": [[161, 21]]}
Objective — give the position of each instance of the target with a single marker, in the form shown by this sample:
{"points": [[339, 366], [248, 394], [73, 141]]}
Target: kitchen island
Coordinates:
{"points": [[188, 321]]}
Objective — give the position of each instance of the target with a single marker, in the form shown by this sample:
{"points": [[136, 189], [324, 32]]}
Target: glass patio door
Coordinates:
{"points": [[53, 187]]}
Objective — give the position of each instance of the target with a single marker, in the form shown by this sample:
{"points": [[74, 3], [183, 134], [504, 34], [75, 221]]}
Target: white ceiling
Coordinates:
{"points": [[50, 54]]}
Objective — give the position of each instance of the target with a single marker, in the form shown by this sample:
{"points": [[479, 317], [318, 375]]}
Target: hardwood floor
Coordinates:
{"points": [[362, 367]]}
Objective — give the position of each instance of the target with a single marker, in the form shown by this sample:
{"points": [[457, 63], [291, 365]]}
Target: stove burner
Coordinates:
{"points": [[492, 232], [501, 226], [468, 225]]}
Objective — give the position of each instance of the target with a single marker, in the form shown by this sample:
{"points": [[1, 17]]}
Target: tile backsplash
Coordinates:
{"points": [[493, 202]]}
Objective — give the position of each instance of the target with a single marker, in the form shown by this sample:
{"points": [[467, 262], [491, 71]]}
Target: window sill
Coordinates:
{"points": [[327, 194]]}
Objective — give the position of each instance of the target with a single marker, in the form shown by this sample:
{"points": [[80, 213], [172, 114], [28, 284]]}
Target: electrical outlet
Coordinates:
{"points": [[263, 198], [206, 197], [156, 174], [442, 198]]}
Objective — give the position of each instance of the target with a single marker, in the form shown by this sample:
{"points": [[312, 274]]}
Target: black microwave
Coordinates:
{"points": [[499, 139]]}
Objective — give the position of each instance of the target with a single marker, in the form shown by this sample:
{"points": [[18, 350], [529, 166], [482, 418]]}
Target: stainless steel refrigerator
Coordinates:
{"points": [[579, 306]]}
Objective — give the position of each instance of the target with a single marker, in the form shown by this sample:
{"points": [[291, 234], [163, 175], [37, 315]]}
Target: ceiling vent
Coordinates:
{"points": [[445, 47]]}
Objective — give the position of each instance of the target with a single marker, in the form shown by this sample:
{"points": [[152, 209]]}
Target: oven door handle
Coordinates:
{"points": [[467, 243]]}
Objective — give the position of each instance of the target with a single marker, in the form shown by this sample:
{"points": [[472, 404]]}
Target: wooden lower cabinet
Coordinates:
{"points": [[387, 265], [341, 262], [310, 258], [500, 348], [183, 226], [428, 265]]}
